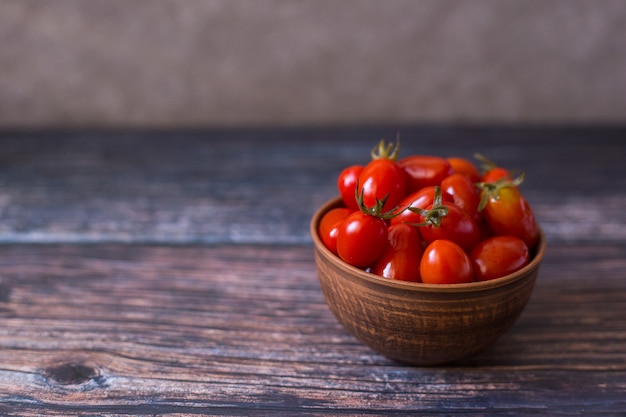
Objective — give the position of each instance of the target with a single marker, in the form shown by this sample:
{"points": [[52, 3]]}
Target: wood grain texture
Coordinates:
{"points": [[262, 186], [172, 273], [119, 330]]}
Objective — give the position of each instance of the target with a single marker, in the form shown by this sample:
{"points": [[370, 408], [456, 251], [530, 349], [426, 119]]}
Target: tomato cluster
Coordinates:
{"points": [[430, 219]]}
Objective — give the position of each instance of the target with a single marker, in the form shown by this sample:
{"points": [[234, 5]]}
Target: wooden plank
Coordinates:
{"points": [[261, 186], [244, 330]]}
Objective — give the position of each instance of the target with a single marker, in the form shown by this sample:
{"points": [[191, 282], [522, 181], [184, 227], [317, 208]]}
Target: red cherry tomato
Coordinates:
{"points": [[329, 226], [401, 258], [424, 170], [465, 167], [346, 183], [464, 193], [447, 221], [418, 200], [456, 225], [495, 174], [361, 239], [445, 262], [507, 212], [382, 178], [491, 172], [498, 256]]}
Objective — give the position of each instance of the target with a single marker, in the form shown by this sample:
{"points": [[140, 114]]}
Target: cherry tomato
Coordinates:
{"points": [[507, 212], [491, 172], [449, 222], [464, 193], [495, 174], [329, 226], [418, 200], [424, 170], [401, 258], [382, 178], [498, 256], [361, 239], [346, 183], [445, 262], [465, 167]]}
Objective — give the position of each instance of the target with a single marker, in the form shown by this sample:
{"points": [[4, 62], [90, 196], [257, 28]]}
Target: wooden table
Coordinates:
{"points": [[171, 273]]}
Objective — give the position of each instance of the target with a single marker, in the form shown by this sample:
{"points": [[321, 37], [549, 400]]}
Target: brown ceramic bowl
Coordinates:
{"points": [[416, 323]]}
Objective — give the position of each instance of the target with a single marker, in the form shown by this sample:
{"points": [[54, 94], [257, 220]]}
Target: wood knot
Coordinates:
{"points": [[71, 373]]}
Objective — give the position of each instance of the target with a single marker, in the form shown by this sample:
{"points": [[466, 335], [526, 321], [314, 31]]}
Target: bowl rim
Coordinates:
{"points": [[537, 256]]}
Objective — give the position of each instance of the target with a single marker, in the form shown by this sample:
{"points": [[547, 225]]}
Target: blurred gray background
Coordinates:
{"points": [[164, 63]]}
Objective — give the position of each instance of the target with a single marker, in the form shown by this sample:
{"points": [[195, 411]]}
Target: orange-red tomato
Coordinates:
{"points": [[499, 256], [465, 167], [401, 258], [424, 170], [509, 213], [445, 262], [495, 174], [329, 226]]}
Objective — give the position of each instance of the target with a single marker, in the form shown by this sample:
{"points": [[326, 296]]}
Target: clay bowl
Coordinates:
{"points": [[416, 323]]}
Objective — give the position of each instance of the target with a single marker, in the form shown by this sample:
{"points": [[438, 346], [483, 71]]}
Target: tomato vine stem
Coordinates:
{"points": [[377, 209], [435, 215], [386, 151], [491, 190], [486, 164]]}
